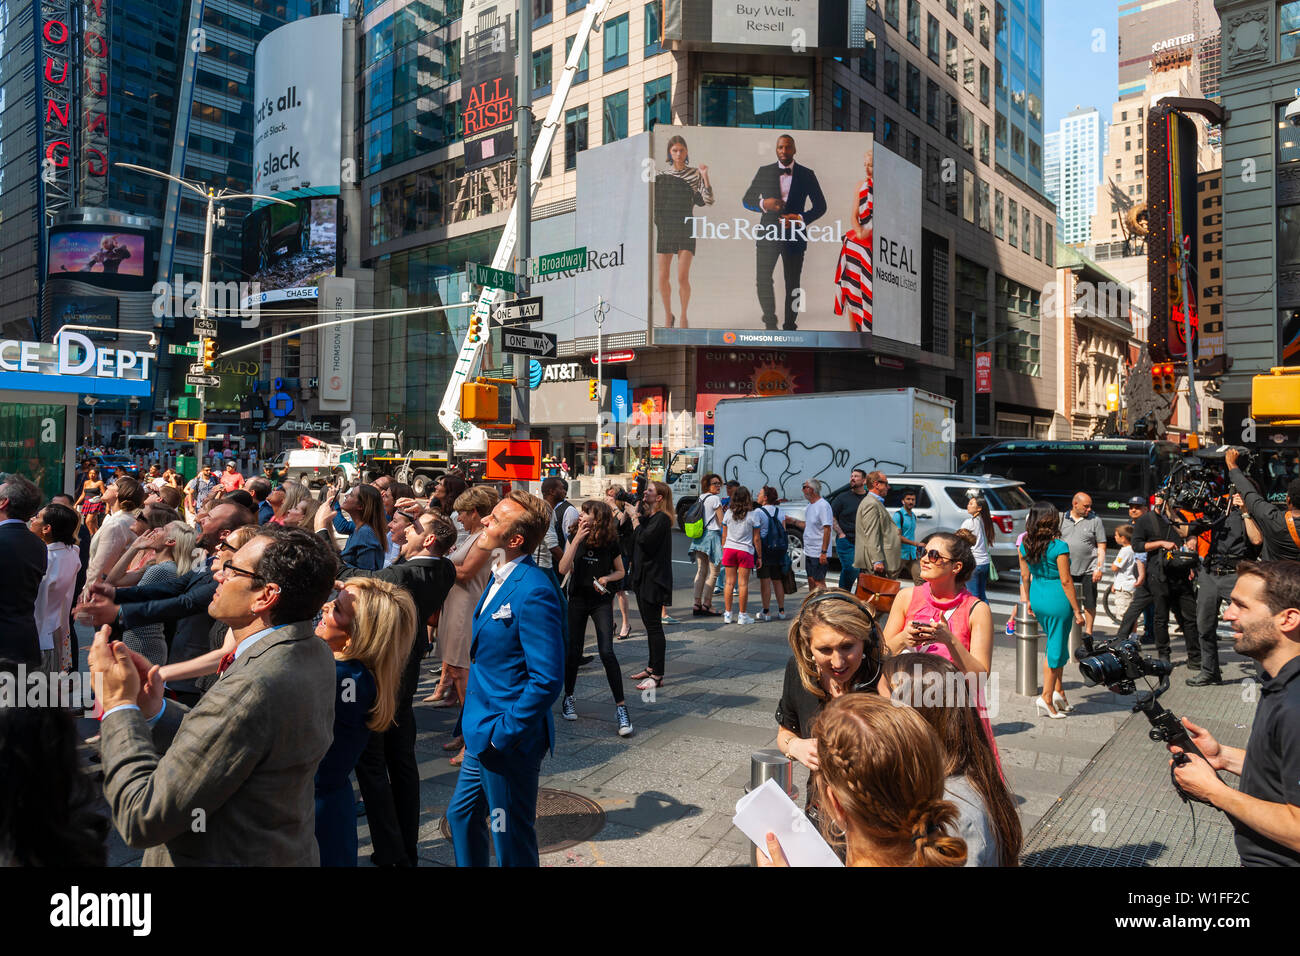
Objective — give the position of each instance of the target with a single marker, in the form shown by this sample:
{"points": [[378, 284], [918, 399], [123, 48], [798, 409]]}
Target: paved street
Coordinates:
{"points": [[669, 791]]}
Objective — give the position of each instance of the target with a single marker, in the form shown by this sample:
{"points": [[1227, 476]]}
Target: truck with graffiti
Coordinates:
{"points": [[783, 440]]}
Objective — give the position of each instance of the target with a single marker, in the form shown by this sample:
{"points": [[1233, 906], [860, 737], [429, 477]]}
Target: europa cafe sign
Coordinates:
{"points": [[61, 74]]}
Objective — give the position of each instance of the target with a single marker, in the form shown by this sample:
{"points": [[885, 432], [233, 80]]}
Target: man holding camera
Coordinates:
{"points": [[1279, 526], [1265, 809], [1169, 580], [1234, 539]]}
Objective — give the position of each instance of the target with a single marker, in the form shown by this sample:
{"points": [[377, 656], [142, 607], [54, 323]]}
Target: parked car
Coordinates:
{"points": [[941, 506], [107, 464]]}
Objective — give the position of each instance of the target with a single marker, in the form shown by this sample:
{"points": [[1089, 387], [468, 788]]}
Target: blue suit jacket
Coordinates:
{"points": [[517, 666]]}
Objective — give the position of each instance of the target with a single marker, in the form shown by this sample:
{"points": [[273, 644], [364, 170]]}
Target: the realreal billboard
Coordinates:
{"points": [[770, 238], [698, 235], [297, 146]]}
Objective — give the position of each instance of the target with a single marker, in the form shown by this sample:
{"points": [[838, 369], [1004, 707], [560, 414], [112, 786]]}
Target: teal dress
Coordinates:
{"points": [[1050, 605]]}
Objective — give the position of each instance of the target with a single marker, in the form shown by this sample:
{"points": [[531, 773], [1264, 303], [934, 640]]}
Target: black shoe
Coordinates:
{"points": [[789, 327], [586, 659], [769, 324], [1203, 680]]}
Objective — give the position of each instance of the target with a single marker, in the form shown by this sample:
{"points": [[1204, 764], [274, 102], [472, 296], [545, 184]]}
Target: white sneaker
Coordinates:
{"points": [[763, 616], [780, 615], [726, 617], [744, 618]]}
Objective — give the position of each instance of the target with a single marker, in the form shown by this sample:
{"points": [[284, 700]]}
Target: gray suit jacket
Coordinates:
{"points": [[230, 782], [877, 538]]}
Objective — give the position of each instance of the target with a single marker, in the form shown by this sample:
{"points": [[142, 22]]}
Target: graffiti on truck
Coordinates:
{"points": [[777, 459]]}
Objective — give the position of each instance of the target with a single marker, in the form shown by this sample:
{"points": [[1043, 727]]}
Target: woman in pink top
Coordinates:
{"points": [[942, 617]]}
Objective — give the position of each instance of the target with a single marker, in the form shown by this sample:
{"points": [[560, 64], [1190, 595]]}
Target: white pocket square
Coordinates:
{"points": [[502, 613]]}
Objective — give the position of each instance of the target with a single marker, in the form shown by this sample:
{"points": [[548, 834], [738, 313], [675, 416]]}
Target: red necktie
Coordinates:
{"points": [[225, 662]]}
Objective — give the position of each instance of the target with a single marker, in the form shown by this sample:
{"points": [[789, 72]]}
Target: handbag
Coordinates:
{"points": [[1180, 562], [993, 572], [876, 591], [790, 584]]}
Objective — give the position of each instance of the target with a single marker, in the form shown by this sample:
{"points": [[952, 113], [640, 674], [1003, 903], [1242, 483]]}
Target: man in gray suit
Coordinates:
{"points": [[229, 783], [879, 547]]}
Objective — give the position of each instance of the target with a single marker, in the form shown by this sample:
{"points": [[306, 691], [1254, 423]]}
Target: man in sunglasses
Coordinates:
{"points": [[243, 760], [183, 601]]}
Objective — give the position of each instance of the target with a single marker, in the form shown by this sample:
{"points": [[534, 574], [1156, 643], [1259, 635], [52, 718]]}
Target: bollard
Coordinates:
{"points": [[1026, 652], [1076, 629], [767, 765]]}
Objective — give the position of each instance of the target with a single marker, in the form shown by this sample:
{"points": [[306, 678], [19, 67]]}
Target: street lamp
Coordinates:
{"points": [[214, 213], [974, 348]]}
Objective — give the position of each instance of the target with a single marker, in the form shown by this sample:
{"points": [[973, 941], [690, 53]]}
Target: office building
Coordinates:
{"points": [[1079, 171], [1151, 32]]}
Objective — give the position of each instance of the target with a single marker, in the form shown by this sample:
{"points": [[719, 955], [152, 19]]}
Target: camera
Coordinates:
{"points": [[1199, 485], [626, 497], [1119, 665], [1293, 112]]}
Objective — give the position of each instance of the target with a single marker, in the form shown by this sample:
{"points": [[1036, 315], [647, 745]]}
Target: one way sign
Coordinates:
{"points": [[520, 311], [525, 342]]}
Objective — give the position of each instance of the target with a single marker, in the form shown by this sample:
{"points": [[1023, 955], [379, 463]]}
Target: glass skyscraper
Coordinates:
{"points": [[1018, 136], [1079, 145]]}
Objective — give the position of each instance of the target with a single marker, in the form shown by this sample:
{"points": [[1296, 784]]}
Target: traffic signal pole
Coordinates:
{"points": [[520, 397], [199, 390]]}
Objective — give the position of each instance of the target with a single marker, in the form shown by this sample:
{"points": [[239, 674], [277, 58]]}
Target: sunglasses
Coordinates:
{"points": [[934, 555]]}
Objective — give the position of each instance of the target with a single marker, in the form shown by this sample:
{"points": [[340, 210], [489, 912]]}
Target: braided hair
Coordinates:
{"points": [[884, 767]]}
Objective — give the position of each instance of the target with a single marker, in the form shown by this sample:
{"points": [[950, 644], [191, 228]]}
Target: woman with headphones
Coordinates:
{"points": [[836, 648]]}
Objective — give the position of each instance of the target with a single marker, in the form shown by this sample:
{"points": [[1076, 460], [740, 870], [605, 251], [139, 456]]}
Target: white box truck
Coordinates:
{"points": [[783, 441]]}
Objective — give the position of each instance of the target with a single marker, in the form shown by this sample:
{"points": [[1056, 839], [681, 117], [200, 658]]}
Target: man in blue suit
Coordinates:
{"points": [[515, 676], [789, 198]]}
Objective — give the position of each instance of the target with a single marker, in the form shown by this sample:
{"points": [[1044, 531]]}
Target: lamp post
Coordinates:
{"points": [[602, 309], [974, 348], [215, 213]]}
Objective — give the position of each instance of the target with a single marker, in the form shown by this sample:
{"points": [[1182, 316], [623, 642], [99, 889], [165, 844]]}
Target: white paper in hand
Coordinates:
{"points": [[769, 809]]}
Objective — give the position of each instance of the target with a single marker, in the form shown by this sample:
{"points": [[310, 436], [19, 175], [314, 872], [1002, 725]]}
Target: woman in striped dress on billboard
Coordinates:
{"points": [[853, 272]]}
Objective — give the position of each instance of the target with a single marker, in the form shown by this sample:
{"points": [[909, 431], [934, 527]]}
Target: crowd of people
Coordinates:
{"points": [[257, 648]]}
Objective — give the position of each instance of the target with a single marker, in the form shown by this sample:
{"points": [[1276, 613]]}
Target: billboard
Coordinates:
{"points": [[99, 311], [297, 147], [825, 224], [613, 223], [113, 258], [297, 119], [800, 26], [487, 82]]}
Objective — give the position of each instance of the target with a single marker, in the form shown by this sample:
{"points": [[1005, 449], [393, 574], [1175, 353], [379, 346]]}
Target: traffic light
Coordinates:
{"points": [[209, 353], [479, 403], [475, 327], [593, 390], [187, 430], [1162, 378]]}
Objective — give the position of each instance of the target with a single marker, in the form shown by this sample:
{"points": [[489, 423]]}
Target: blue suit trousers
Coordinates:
{"points": [[497, 792]]}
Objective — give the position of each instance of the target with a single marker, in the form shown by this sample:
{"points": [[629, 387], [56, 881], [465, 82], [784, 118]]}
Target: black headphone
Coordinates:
{"points": [[837, 595]]}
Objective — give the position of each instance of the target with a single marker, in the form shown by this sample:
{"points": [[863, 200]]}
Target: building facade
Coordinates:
{"points": [[1154, 30], [1261, 212]]}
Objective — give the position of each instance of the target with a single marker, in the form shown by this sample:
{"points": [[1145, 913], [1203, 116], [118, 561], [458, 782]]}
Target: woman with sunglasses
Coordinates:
{"points": [[943, 617], [835, 649], [369, 626]]}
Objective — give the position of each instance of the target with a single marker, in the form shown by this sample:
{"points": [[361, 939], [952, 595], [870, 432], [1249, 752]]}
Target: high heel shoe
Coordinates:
{"points": [[1060, 703], [1041, 706]]}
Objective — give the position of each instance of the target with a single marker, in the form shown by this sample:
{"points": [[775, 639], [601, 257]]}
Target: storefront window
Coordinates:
{"points": [[25, 448]]}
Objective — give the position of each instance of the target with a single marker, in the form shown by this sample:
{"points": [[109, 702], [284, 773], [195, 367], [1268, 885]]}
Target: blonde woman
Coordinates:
{"points": [[294, 493], [172, 550], [369, 626]]}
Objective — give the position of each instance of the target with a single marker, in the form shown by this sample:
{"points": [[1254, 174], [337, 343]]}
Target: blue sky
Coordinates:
{"points": [[1076, 74]]}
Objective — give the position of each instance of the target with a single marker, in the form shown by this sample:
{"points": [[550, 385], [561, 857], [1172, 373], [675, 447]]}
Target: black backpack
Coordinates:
{"points": [[560, 511]]}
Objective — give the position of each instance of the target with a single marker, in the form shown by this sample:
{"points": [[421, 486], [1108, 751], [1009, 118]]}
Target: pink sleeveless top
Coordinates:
{"points": [[955, 613]]}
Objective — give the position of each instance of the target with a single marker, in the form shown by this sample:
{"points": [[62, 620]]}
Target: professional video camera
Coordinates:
{"points": [[1119, 665], [624, 497], [1199, 484]]}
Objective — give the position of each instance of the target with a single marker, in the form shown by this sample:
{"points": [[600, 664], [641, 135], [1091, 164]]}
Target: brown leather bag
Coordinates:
{"points": [[878, 592]]}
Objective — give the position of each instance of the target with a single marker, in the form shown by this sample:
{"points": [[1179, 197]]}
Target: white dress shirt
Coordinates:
{"points": [[785, 180], [499, 575], [54, 600]]}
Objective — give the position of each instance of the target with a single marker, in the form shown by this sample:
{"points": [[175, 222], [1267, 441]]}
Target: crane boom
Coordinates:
{"points": [[466, 438]]}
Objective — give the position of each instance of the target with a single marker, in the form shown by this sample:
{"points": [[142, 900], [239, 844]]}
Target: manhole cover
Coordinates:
{"points": [[563, 820]]}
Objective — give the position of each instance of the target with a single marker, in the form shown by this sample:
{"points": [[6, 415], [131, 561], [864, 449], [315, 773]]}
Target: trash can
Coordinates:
{"points": [[1026, 652]]}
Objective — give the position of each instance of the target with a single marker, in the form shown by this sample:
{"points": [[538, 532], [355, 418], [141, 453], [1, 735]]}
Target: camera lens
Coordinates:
{"points": [[1101, 668]]}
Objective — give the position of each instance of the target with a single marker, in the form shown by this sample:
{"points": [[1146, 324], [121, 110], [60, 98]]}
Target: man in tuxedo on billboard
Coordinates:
{"points": [[784, 192]]}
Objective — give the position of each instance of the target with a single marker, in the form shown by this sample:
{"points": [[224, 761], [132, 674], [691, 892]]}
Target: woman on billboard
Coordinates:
{"points": [[679, 188], [853, 271]]}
